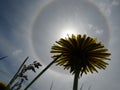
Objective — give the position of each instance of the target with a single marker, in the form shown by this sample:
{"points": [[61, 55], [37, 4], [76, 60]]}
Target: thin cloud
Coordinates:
{"points": [[17, 52], [115, 3], [95, 29], [106, 6], [99, 31]]}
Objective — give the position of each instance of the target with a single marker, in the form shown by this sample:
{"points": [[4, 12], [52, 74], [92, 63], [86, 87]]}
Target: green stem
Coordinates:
{"points": [[41, 73], [15, 76], [75, 84]]}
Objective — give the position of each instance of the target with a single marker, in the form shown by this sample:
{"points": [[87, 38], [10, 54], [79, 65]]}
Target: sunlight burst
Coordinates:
{"points": [[68, 31]]}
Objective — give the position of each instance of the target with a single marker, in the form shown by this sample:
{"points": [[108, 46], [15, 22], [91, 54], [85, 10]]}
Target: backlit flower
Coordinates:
{"points": [[3, 86], [80, 53]]}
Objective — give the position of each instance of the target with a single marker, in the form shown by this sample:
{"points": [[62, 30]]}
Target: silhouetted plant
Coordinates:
{"points": [[1, 58], [51, 86], [80, 54], [40, 74], [3, 86], [18, 79]]}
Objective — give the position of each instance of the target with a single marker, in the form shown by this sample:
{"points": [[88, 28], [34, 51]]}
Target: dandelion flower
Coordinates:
{"points": [[3, 86], [80, 54]]}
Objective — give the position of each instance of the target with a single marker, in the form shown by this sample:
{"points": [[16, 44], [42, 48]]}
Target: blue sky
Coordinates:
{"points": [[30, 27]]}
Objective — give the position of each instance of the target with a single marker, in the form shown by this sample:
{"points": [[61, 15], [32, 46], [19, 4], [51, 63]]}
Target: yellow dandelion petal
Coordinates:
{"points": [[3, 86], [80, 53]]}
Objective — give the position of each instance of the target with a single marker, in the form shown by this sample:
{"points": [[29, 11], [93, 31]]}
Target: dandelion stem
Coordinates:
{"points": [[15, 76], [41, 73], [75, 84]]}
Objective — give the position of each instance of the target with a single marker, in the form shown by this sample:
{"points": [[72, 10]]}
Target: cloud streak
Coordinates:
{"points": [[106, 6]]}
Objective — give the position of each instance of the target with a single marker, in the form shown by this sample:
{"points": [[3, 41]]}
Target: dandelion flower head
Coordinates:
{"points": [[3, 86], [80, 53]]}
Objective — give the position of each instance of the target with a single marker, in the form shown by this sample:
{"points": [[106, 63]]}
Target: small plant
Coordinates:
{"points": [[3, 86], [21, 75], [1, 58]]}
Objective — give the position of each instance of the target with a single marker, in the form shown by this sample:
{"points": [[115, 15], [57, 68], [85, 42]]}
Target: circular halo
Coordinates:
{"points": [[46, 41]]}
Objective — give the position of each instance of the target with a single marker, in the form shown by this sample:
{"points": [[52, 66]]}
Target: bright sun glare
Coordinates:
{"points": [[68, 31]]}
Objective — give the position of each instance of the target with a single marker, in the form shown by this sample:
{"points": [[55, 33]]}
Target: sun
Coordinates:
{"points": [[68, 30]]}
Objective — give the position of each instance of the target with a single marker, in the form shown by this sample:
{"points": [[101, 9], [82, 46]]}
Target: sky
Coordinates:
{"points": [[31, 27]]}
